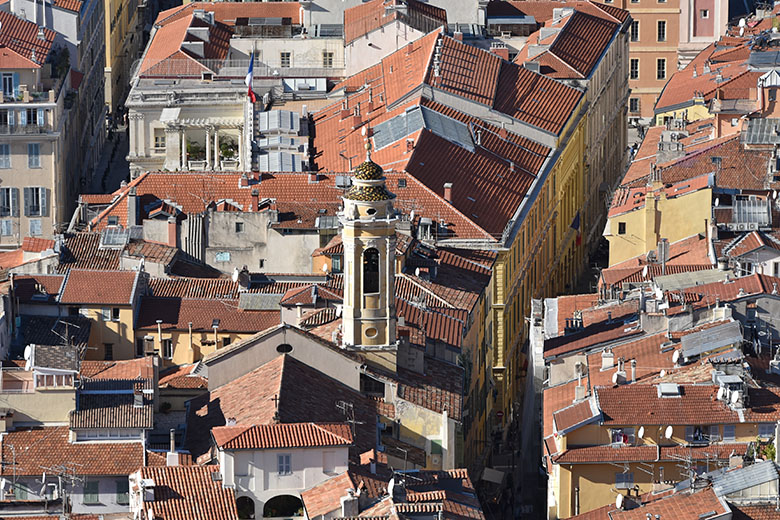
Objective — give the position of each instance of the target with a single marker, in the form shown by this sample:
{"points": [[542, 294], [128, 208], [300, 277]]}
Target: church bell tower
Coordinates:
{"points": [[368, 233]]}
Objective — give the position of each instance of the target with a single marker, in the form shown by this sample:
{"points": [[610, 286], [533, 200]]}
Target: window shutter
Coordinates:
{"points": [[16, 84], [44, 202], [15, 202], [40, 117], [11, 117], [22, 117], [8, 229], [27, 198], [106, 314]]}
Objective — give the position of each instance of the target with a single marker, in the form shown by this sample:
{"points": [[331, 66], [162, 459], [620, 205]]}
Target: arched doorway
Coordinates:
{"points": [[246, 508], [284, 506]]}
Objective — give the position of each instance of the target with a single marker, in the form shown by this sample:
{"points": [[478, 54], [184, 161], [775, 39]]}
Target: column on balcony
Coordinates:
{"points": [[209, 130], [172, 148], [184, 165], [216, 148], [133, 134], [141, 143]]}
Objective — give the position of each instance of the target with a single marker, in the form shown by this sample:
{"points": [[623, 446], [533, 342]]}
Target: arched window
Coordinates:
{"points": [[370, 271], [246, 508], [283, 506]]}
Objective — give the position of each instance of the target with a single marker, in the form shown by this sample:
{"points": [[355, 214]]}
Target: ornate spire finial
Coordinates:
{"points": [[368, 148]]}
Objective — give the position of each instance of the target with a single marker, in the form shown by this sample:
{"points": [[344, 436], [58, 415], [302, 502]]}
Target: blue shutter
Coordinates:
{"points": [[15, 202], [41, 120], [11, 117], [27, 198], [22, 117], [16, 84], [44, 202]]}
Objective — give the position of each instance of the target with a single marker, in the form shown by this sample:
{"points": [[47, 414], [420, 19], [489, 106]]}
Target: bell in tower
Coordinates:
{"points": [[368, 233]]}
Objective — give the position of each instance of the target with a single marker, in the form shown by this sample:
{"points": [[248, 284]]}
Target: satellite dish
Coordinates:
{"points": [[411, 215], [644, 275], [717, 202], [676, 356], [235, 275], [741, 31], [721, 392], [774, 194], [417, 272], [735, 397], [325, 268], [28, 352], [663, 373], [615, 378], [668, 432], [27, 365], [742, 22], [363, 131], [641, 432], [619, 501]]}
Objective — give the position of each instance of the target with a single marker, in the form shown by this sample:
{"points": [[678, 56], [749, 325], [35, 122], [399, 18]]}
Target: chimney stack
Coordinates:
{"points": [[244, 180], [172, 231], [448, 192]]}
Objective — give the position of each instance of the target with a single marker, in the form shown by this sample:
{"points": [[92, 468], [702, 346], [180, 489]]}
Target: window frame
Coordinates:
{"points": [[167, 348], [284, 464], [88, 484], [34, 160], [626, 482], [122, 497], [660, 27], [764, 426], [638, 108], [5, 158], [658, 63], [621, 228], [729, 433], [704, 14], [285, 59], [327, 59], [633, 31], [632, 69]]}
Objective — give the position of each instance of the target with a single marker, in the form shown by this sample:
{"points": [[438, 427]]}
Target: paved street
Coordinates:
{"points": [[113, 168]]}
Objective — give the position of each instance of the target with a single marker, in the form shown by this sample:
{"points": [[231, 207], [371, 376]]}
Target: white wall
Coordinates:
{"points": [[360, 55], [254, 473]]}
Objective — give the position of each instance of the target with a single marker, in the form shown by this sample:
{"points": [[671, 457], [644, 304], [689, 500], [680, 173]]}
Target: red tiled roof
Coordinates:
{"points": [[535, 99], [152, 251], [728, 290], [48, 447], [21, 36], [574, 415], [750, 242], [640, 404], [582, 42], [647, 453], [178, 313], [189, 492], [631, 199], [69, 5], [182, 377], [370, 16], [36, 245], [291, 435], [111, 410], [140, 368], [591, 336], [314, 401], [227, 13], [26, 287], [680, 506], [99, 287], [754, 512], [82, 251]]}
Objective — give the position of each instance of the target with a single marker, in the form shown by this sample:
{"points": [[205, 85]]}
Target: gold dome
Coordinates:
{"points": [[369, 171]]}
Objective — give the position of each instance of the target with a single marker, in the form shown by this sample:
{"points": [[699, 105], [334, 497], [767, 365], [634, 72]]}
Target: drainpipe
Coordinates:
{"points": [[159, 334], [192, 351]]}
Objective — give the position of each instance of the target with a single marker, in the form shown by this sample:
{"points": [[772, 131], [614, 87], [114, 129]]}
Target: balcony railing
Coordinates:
{"points": [[25, 129], [183, 68]]}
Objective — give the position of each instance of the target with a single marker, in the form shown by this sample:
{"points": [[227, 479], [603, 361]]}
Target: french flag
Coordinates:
{"points": [[248, 79]]}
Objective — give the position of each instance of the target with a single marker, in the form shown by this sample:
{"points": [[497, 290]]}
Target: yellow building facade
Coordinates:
{"points": [[635, 231], [124, 41]]}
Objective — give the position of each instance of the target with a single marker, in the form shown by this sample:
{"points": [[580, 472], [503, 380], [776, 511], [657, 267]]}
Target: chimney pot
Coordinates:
{"points": [[448, 192]]}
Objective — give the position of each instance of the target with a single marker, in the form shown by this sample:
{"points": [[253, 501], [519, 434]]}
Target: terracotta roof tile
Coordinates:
{"points": [[21, 36], [183, 377], [370, 16], [290, 435], [130, 369], [49, 447], [647, 453], [227, 12], [99, 287], [680, 506], [42, 288], [601, 332], [97, 407], [754, 512], [36, 245], [69, 5], [315, 401], [82, 251], [583, 40], [573, 415], [177, 313], [188, 492]]}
